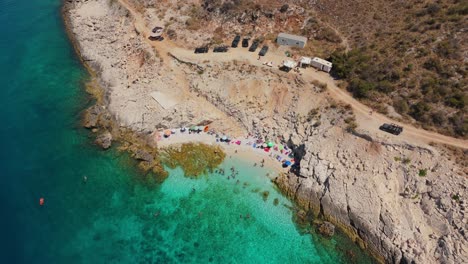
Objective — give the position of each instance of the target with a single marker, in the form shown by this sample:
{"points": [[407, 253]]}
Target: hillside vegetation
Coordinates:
{"points": [[407, 59], [413, 59]]}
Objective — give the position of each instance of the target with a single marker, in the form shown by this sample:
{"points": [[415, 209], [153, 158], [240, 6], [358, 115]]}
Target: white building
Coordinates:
{"points": [[305, 61], [291, 40], [321, 64]]}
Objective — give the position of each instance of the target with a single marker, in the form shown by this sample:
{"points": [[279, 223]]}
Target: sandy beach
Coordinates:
{"points": [[244, 150]]}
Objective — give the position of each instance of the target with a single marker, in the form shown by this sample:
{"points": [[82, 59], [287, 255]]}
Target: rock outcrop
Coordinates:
{"points": [[327, 229], [104, 139]]}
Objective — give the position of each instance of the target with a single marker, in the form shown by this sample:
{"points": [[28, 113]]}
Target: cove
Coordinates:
{"points": [[112, 217]]}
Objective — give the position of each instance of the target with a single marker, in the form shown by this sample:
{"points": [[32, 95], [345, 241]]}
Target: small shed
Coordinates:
{"points": [[291, 40], [305, 61], [321, 64]]}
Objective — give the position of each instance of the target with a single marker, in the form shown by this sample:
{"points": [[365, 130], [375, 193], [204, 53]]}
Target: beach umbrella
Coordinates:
{"points": [[193, 128], [287, 163], [271, 144], [173, 131], [183, 129], [206, 129], [265, 145], [167, 133], [280, 147], [224, 138]]}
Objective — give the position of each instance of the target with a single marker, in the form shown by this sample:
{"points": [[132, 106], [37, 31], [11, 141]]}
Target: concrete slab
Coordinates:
{"points": [[165, 100]]}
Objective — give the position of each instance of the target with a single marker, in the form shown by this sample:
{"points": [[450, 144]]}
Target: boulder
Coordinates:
{"points": [[91, 116], [143, 156], [327, 229], [104, 140]]}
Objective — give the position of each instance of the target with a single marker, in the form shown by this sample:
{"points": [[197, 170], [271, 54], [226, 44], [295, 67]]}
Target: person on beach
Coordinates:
{"points": [[255, 164]]}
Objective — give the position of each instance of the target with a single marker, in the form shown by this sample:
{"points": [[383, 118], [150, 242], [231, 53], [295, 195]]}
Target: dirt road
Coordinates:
{"points": [[366, 119]]}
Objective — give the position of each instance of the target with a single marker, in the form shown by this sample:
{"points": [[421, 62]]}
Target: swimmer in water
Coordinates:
{"points": [[85, 179]]}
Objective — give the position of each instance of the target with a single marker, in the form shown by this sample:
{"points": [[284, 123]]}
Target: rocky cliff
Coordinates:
{"points": [[404, 202]]}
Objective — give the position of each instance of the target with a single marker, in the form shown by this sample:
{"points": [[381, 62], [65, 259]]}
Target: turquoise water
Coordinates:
{"points": [[111, 218]]}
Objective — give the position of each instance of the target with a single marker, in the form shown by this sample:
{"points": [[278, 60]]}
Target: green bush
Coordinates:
{"points": [[457, 101], [419, 110], [422, 173], [385, 87], [401, 106], [360, 88]]}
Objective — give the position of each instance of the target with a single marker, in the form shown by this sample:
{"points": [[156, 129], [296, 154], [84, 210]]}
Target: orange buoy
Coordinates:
{"points": [[41, 201]]}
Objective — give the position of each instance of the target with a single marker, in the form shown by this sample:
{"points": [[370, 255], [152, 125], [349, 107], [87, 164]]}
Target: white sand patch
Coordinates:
{"points": [[166, 101], [93, 9], [272, 159]]}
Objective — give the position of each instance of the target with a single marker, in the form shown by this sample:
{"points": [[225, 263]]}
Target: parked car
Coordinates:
{"points": [[254, 46], [263, 51], [245, 42], [158, 38], [391, 128], [236, 41], [220, 49], [157, 30], [201, 50]]}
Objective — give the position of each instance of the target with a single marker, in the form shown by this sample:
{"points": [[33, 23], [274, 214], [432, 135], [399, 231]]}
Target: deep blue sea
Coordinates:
{"points": [[111, 218]]}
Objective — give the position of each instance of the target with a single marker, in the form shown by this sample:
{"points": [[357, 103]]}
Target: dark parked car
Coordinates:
{"points": [[263, 51], [201, 50], [245, 43], [158, 38], [254, 46], [157, 30], [220, 49], [236, 41], [391, 128]]}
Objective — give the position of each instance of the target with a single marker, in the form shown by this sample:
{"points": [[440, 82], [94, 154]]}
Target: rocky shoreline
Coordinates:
{"points": [[404, 203]]}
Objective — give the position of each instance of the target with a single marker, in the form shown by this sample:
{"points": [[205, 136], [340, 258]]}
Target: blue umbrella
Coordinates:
{"points": [[287, 163]]}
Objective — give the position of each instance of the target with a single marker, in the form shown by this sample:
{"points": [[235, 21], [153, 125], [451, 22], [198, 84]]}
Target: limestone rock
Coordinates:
{"points": [[327, 229], [104, 140], [143, 156]]}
